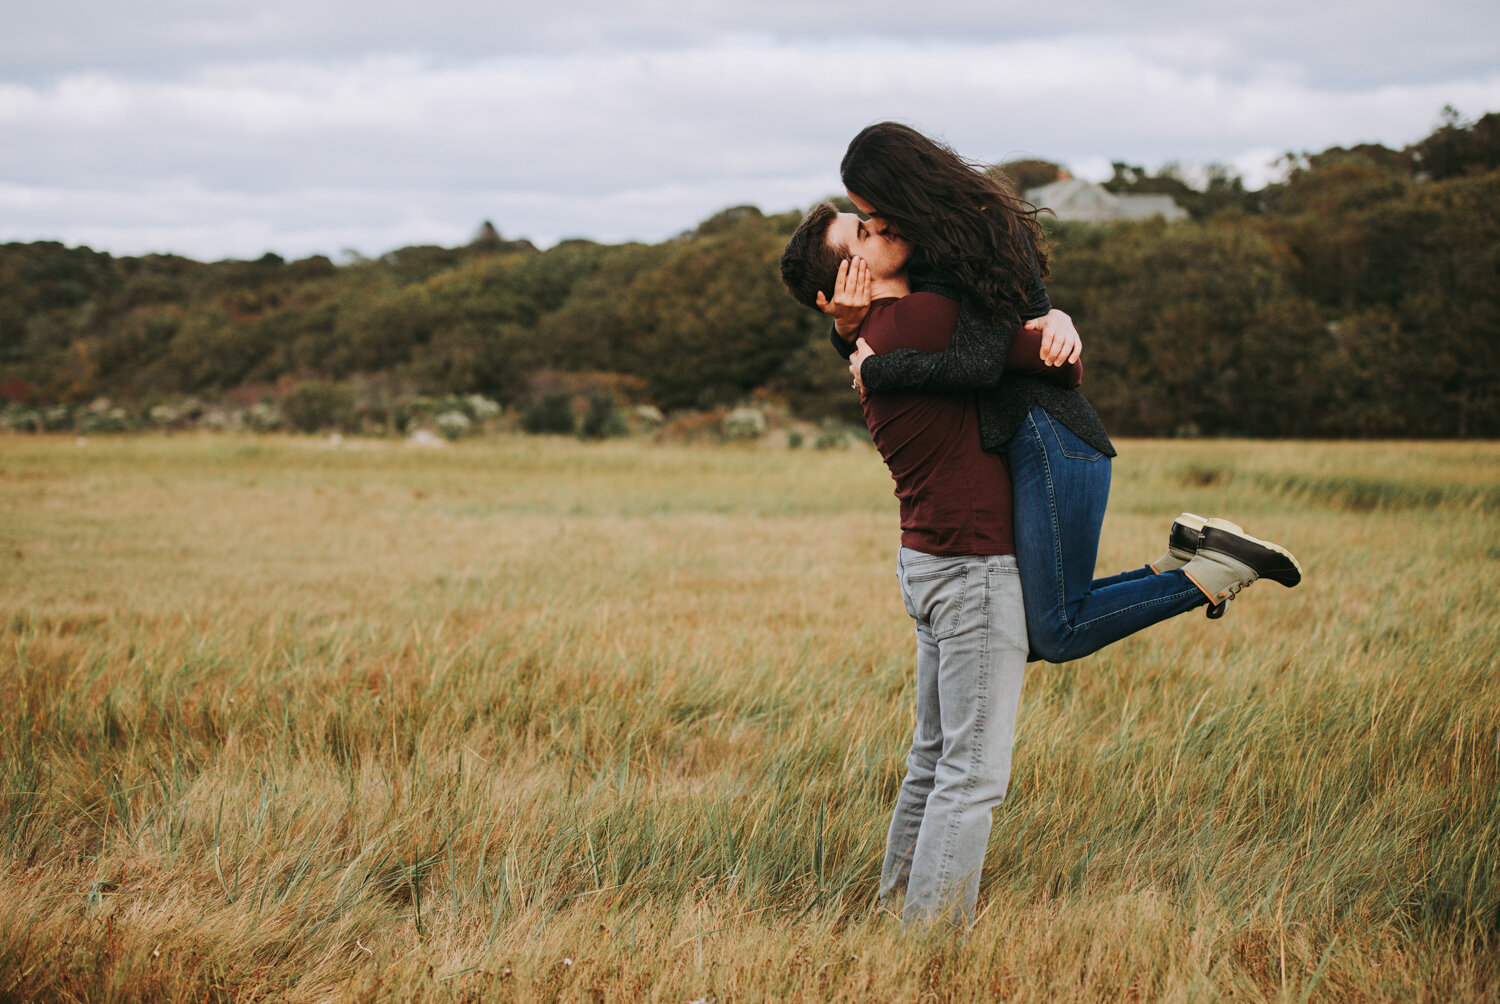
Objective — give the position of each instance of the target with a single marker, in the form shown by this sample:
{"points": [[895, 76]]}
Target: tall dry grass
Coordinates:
{"points": [[541, 720]]}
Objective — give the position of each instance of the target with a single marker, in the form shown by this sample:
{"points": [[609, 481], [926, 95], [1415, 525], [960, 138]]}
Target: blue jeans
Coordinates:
{"points": [[1061, 485], [971, 660]]}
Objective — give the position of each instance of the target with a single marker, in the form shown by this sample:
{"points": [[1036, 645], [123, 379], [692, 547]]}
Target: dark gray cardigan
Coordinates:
{"points": [[974, 362]]}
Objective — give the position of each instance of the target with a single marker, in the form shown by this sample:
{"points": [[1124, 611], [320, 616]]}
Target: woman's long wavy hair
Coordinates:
{"points": [[971, 225]]}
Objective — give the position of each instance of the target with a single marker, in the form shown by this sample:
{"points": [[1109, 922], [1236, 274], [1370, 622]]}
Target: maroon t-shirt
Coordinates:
{"points": [[955, 498]]}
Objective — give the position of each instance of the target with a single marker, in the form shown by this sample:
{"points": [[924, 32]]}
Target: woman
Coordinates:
{"points": [[980, 243]]}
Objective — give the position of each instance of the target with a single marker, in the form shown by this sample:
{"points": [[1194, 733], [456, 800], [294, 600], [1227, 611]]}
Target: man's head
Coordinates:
{"points": [[824, 240]]}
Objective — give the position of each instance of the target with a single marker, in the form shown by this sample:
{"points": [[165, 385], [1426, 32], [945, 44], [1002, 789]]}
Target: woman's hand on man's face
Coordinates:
{"points": [[851, 298]]}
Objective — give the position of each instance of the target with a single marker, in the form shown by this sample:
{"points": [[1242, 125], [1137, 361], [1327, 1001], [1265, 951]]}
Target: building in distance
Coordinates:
{"points": [[1076, 200]]}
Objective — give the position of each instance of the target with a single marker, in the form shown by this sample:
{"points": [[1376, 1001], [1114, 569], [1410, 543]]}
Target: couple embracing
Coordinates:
{"points": [[968, 379]]}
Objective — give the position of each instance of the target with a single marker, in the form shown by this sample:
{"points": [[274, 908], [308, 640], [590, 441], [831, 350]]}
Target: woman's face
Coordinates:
{"points": [[877, 223]]}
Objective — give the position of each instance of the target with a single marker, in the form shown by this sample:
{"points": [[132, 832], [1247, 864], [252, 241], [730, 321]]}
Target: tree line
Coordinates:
{"points": [[1359, 296]]}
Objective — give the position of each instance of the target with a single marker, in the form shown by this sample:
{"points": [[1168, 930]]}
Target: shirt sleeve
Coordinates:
{"points": [[1026, 357], [843, 348]]}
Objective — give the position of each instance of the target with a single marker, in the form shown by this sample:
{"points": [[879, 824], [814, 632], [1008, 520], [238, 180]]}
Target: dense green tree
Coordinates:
{"points": [[1027, 174], [1418, 329], [599, 327], [722, 323], [1457, 148], [1359, 295], [1222, 188], [212, 351], [1189, 329]]}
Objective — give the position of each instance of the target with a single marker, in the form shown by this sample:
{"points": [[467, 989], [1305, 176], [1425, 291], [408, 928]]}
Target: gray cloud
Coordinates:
{"points": [[219, 130], [1332, 42]]}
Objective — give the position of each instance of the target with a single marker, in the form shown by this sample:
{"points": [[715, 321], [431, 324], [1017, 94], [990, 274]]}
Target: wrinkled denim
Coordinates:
{"points": [[971, 661], [1060, 487]]}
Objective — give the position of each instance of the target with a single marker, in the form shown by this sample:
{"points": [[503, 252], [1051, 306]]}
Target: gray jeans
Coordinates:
{"points": [[971, 660]]}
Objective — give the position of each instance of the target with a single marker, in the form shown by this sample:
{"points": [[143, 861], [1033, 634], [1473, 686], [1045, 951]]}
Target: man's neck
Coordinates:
{"points": [[895, 286]]}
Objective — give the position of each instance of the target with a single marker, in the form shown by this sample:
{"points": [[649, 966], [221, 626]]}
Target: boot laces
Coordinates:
{"points": [[1217, 610]]}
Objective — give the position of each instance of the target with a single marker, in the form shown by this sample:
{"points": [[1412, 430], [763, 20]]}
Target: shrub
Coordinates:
{"points": [[263, 416], [453, 425], [15, 418], [315, 405], [693, 427], [222, 420], [102, 417], [602, 420], [58, 418], [552, 414], [833, 435], [744, 423], [164, 415], [482, 408]]}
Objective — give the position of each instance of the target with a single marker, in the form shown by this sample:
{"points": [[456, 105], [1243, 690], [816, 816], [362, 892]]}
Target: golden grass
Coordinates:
{"points": [[527, 719]]}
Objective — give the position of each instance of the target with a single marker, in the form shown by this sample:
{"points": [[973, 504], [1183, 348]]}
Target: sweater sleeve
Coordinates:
{"points": [[1038, 303], [973, 361]]}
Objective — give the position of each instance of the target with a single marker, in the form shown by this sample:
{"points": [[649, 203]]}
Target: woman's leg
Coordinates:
{"points": [[1061, 487]]}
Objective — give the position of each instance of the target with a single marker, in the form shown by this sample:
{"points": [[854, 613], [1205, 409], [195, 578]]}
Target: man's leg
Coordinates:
{"points": [[973, 608], [921, 762]]}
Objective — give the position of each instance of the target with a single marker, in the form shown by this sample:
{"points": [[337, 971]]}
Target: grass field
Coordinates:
{"points": [[536, 720]]}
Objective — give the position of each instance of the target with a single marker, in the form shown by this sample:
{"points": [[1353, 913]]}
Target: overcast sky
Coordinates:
{"points": [[218, 129]]}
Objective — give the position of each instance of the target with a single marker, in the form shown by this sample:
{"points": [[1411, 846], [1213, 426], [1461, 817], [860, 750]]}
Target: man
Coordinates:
{"points": [[956, 566]]}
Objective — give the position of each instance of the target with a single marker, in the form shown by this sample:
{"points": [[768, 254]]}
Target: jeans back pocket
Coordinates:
{"points": [[936, 588], [1070, 445]]}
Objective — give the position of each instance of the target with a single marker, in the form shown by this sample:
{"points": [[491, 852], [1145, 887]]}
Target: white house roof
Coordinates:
{"points": [[1075, 199]]}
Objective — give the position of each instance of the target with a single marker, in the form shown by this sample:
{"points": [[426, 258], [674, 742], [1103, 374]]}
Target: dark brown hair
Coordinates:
{"points": [[971, 225], [809, 264]]}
